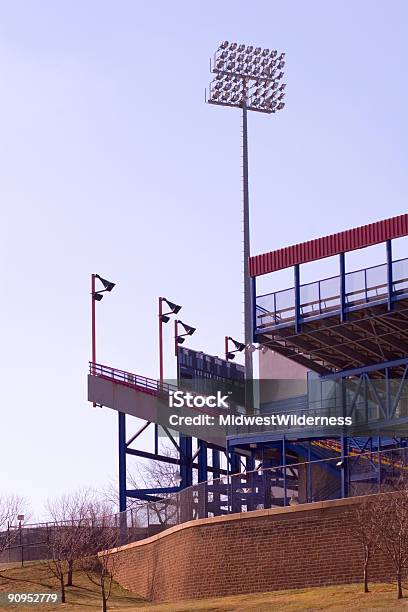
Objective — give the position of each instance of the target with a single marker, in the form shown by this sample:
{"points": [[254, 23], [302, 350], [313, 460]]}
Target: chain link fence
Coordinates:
{"points": [[298, 483]]}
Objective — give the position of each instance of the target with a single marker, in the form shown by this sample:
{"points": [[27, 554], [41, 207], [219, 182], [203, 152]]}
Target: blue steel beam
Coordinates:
{"points": [[186, 466], [202, 462], [253, 297], [342, 287], [365, 369], [152, 491], [297, 298], [389, 274], [122, 460]]}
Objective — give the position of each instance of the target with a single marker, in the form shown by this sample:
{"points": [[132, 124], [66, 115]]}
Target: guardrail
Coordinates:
{"points": [[297, 483], [323, 296], [142, 383]]}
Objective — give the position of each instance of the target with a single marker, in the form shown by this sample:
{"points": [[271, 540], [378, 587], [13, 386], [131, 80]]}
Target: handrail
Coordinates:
{"points": [[355, 298], [321, 280], [148, 385]]}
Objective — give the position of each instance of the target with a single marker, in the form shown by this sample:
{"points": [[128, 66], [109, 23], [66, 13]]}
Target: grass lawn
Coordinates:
{"points": [[83, 597]]}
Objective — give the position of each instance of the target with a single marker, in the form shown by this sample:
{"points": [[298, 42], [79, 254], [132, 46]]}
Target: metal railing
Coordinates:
{"points": [[277, 487], [141, 383], [361, 287]]}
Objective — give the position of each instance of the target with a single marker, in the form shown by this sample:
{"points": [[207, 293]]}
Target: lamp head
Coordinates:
{"points": [[240, 346], [107, 284], [175, 308], [189, 330]]}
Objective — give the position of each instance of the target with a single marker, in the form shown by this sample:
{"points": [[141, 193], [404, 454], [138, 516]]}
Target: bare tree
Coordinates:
{"points": [[393, 532], [157, 474], [57, 561], [99, 559], [68, 513], [365, 527], [11, 506]]}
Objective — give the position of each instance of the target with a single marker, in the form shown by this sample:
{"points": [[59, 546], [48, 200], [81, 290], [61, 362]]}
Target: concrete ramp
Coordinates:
{"points": [[141, 397], [123, 398]]}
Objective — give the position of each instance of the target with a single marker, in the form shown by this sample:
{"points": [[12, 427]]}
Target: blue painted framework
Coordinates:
{"points": [[185, 460], [387, 405]]}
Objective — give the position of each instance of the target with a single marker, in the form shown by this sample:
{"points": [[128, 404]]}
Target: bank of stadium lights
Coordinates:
{"points": [[248, 75]]}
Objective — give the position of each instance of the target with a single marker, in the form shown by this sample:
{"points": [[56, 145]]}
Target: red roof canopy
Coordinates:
{"points": [[349, 240]]}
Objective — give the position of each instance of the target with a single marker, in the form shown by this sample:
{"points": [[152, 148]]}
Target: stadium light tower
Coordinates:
{"points": [[249, 78]]}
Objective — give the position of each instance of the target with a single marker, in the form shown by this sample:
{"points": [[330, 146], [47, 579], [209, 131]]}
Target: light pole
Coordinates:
{"points": [[180, 338], [96, 296], [239, 347], [249, 78], [185, 442], [20, 518], [164, 318]]}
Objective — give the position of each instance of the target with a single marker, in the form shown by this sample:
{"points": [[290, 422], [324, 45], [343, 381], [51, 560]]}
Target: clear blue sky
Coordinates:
{"points": [[110, 162]]}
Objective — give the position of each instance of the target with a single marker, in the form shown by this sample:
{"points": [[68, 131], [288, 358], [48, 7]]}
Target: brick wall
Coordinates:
{"points": [[295, 547]]}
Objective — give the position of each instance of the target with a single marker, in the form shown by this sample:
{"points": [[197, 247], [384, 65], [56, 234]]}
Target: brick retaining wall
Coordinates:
{"points": [[295, 547]]}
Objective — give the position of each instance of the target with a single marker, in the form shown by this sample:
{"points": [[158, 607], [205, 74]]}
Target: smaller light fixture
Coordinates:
{"points": [[189, 330], [173, 307], [107, 284], [240, 346]]}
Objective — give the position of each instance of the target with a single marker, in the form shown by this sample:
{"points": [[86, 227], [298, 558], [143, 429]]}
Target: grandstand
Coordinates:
{"points": [[348, 334]]}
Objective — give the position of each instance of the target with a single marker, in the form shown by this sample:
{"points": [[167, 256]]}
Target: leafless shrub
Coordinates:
{"points": [[365, 527], [393, 532], [98, 559], [11, 506], [71, 514]]}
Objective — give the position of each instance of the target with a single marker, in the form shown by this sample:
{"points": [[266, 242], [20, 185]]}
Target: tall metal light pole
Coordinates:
{"points": [[164, 317], [249, 78], [96, 296]]}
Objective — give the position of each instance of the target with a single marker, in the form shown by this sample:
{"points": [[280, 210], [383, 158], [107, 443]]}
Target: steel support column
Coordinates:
{"points": [[247, 249], [389, 274], [344, 467], [284, 471], [186, 461], [342, 259], [297, 298], [202, 461], [253, 295], [122, 460]]}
